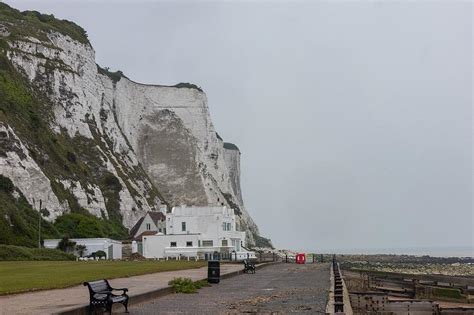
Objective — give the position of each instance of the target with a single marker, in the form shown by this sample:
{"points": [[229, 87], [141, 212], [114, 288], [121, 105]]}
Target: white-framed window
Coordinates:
{"points": [[183, 226], [224, 243], [189, 244], [159, 230], [173, 244], [226, 226], [207, 243], [148, 226]]}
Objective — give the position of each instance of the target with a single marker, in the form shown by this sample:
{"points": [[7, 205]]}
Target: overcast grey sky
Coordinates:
{"points": [[355, 115]]}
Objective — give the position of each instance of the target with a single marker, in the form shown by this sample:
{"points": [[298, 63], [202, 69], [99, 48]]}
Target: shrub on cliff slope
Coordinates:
{"points": [[82, 225], [18, 221]]}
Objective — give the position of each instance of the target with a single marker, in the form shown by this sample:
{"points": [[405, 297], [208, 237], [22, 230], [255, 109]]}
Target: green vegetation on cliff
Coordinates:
{"points": [[29, 112], [18, 221], [33, 23], [82, 225]]}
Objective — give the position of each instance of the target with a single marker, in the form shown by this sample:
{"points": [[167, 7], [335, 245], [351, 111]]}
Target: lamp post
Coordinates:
{"points": [[39, 224]]}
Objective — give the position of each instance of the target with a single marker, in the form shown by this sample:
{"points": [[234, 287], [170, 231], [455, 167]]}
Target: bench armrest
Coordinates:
{"points": [[120, 289]]}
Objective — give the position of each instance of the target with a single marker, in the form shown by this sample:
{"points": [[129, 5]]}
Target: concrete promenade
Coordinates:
{"points": [[275, 289], [63, 300]]}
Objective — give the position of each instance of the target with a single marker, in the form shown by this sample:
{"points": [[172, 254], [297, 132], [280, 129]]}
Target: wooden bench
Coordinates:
{"points": [[249, 266], [101, 295]]}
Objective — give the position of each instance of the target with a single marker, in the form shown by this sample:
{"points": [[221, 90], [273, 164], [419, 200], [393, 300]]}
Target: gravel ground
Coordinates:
{"points": [[276, 289]]}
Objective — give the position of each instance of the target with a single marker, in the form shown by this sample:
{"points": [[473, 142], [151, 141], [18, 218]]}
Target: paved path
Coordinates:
{"points": [[60, 300], [276, 289]]}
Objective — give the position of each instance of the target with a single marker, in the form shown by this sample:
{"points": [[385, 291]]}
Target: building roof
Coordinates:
{"points": [[135, 228], [156, 216], [146, 233]]}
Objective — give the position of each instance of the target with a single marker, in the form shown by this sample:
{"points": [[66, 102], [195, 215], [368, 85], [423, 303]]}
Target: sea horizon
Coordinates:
{"points": [[458, 251]]}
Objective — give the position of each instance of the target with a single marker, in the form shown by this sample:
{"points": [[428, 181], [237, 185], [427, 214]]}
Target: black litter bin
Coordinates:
{"points": [[213, 271]]}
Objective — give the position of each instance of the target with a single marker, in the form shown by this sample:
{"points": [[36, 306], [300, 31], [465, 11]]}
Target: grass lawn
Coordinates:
{"points": [[22, 276]]}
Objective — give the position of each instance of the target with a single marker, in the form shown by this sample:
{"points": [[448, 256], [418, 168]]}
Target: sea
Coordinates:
{"points": [[460, 251]]}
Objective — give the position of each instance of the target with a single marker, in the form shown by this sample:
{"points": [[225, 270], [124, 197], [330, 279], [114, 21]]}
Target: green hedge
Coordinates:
{"points": [[10, 252]]}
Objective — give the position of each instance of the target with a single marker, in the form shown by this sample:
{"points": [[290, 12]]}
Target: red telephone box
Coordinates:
{"points": [[300, 258]]}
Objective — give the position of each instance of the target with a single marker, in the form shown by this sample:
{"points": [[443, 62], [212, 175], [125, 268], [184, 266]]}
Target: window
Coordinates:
{"points": [[189, 244], [229, 227], [148, 226], [183, 226], [207, 243], [226, 226], [159, 230], [224, 242], [173, 244]]}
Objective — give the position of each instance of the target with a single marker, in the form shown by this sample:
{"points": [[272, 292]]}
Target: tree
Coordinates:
{"points": [[81, 249], [66, 245]]}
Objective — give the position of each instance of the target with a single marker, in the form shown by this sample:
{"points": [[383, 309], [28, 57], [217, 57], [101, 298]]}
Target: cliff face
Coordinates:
{"points": [[96, 141]]}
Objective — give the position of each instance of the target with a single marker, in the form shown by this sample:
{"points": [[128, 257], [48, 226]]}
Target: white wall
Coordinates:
{"points": [[207, 221], [143, 228], [154, 246]]}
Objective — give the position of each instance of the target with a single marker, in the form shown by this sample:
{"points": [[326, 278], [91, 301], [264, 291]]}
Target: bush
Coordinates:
{"points": [[15, 253], [112, 182], [80, 249], [187, 86], [66, 245], [186, 285], [83, 225], [6, 184], [19, 222], [71, 157], [99, 254]]}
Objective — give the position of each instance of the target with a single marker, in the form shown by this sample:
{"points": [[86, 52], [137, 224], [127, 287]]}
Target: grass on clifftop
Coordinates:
{"points": [[35, 24], [23, 276]]}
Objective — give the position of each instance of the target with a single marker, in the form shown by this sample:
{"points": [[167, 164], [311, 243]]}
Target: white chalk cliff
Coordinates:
{"points": [[157, 141]]}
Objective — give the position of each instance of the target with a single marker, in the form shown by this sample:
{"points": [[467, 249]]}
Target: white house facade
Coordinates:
{"points": [[112, 248], [151, 223], [198, 232]]}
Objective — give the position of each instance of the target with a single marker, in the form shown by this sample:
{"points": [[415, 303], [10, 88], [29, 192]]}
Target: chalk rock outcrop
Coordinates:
{"points": [[111, 146]]}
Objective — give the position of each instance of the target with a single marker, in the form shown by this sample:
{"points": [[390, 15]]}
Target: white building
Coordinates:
{"points": [[197, 232], [112, 248], [151, 223]]}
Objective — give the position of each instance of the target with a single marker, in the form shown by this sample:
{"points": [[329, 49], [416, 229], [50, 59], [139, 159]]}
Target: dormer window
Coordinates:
{"points": [[148, 226]]}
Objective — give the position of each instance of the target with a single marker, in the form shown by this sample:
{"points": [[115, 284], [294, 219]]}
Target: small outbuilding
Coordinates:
{"points": [[112, 248]]}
